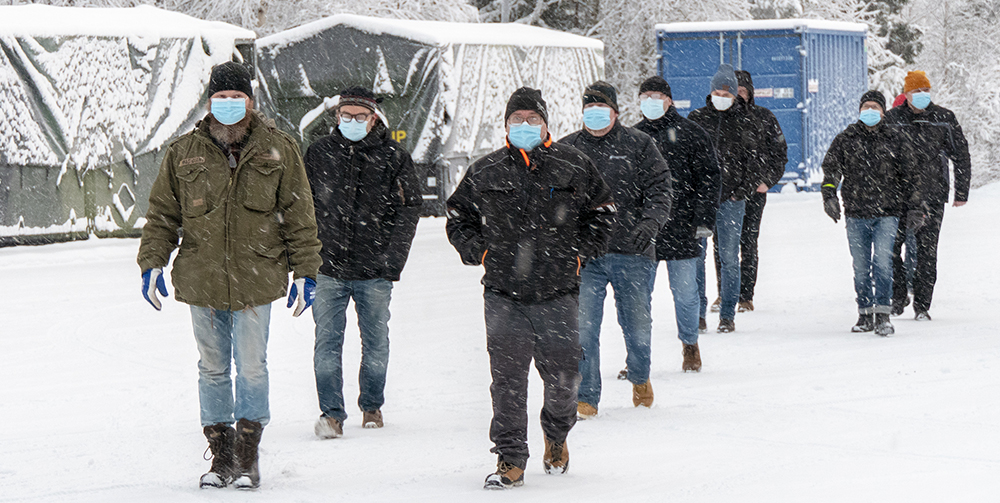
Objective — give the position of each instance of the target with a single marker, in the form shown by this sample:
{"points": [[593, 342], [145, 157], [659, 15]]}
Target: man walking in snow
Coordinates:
{"points": [[696, 179], [532, 213], [235, 187], [880, 188], [938, 140], [738, 139], [367, 199], [632, 166]]}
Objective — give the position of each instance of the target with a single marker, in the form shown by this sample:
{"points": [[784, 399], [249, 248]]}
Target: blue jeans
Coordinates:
{"points": [[683, 275], [703, 300], [631, 277], [728, 229], [871, 241], [222, 337], [371, 302]]}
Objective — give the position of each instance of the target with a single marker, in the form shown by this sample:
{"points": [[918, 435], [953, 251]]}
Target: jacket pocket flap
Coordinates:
{"points": [[191, 172], [273, 252], [267, 168]]}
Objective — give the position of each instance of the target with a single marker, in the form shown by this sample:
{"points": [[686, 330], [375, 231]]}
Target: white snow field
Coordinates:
{"points": [[98, 394]]}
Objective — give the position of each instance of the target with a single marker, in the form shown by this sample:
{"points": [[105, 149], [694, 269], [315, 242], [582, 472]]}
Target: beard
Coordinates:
{"points": [[229, 135]]}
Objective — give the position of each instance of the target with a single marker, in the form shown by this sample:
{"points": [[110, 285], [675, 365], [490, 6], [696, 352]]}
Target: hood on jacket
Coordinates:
{"points": [[744, 79]]}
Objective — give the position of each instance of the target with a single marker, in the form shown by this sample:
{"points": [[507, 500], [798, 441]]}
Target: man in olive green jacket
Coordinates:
{"points": [[236, 188]]}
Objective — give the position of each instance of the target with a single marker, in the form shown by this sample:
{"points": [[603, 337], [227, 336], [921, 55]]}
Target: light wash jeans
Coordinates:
{"points": [[224, 337], [871, 241], [631, 277], [728, 229], [683, 276], [371, 302]]}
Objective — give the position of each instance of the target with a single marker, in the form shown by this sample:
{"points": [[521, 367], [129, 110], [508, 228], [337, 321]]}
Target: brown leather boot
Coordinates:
{"points": [[585, 411], [220, 441], [372, 419], [248, 435], [506, 477], [642, 394], [692, 358], [556, 458]]}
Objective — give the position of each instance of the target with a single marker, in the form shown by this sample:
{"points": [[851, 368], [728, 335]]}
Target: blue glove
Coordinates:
{"points": [[152, 280], [308, 288]]}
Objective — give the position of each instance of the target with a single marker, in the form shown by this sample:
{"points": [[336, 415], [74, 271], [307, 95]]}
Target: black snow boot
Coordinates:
{"points": [[866, 323], [883, 326], [247, 439], [220, 441]]}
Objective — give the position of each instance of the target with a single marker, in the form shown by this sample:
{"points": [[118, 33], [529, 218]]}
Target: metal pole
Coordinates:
{"points": [[504, 11]]}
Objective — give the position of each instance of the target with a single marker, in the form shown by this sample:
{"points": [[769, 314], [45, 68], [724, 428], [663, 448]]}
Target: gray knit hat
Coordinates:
{"points": [[725, 80]]}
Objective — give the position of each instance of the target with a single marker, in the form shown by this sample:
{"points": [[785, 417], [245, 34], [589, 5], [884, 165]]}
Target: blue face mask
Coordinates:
{"points": [[596, 118], [353, 130], [652, 109], [921, 100], [525, 136], [870, 117], [229, 111]]}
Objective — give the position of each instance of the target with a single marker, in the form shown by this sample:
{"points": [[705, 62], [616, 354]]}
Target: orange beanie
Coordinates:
{"points": [[916, 80]]}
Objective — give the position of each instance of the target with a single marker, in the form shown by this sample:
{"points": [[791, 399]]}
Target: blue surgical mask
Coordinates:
{"points": [[652, 109], [525, 136], [596, 118], [921, 100], [870, 116], [353, 130], [229, 111]]}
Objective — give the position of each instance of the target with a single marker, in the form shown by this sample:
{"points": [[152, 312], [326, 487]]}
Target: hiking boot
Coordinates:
{"points": [[328, 427], [623, 375], [556, 458], [702, 326], [883, 326], [716, 305], [898, 306], [247, 440], [585, 411], [506, 477], [642, 394], [726, 326], [372, 419], [866, 323], [744, 306], [220, 442], [922, 316], [692, 358]]}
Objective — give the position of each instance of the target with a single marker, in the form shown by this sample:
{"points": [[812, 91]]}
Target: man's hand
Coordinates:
{"points": [[152, 281], [308, 288], [832, 208], [762, 188], [643, 234], [959, 203], [914, 220], [703, 232]]}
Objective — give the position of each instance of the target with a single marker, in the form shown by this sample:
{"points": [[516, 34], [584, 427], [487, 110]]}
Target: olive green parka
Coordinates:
{"points": [[243, 230]]}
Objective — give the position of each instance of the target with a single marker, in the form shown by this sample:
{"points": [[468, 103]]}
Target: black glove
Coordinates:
{"points": [[643, 234], [914, 220], [832, 208]]}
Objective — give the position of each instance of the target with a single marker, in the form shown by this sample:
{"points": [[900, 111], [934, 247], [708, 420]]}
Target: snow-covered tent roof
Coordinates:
{"points": [[762, 24], [49, 21]]}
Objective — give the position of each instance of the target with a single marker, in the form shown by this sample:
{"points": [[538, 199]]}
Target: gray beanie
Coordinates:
{"points": [[725, 80]]}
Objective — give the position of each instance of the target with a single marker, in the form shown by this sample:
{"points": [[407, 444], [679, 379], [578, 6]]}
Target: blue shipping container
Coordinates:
{"points": [[810, 73]]}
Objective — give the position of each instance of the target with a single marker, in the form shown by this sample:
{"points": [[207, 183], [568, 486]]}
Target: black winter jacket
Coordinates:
{"points": [[877, 169], [633, 167], [936, 137], [367, 198], [532, 219], [741, 146], [773, 150], [696, 183]]}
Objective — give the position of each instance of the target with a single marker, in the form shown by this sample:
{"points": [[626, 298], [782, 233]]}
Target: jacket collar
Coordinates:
{"points": [[525, 156]]}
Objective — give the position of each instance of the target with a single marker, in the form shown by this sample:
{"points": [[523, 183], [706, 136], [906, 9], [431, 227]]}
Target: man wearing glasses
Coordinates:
{"points": [[367, 199], [532, 213]]}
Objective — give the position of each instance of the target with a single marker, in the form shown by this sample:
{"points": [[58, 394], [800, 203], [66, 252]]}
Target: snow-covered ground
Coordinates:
{"points": [[98, 395]]}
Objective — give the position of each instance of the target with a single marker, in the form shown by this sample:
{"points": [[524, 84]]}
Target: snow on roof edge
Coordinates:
{"points": [[761, 24], [439, 32], [144, 20]]}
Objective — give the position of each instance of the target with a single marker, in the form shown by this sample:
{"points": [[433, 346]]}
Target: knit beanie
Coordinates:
{"points": [[915, 80], [230, 76], [526, 98], [601, 92], [358, 96], [725, 80], [655, 84], [875, 96]]}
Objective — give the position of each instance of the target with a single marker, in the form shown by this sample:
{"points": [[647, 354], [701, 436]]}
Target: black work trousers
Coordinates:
{"points": [[748, 247], [516, 333], [925, 273]]}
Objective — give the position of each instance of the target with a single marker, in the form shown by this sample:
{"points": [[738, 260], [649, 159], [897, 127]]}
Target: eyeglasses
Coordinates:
{"points": [[361, 117], [533, 120]]}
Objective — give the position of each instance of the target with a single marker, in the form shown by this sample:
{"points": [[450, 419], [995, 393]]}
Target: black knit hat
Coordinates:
{"points": [[601, 92], [875, 96], [526, 98], [358, 96], [230, 76], [655, 84]]}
